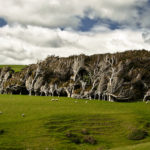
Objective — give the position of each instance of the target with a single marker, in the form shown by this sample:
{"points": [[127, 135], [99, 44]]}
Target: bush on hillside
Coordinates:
{"points": [[137, 134]]}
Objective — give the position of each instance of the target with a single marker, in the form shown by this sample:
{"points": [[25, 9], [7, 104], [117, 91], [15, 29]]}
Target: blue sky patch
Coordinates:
{"points": [[2, 22], [87, 24], [112, 24]]}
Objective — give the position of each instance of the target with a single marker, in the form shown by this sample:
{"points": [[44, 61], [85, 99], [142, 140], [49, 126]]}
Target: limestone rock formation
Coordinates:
{"points": [[113, 77]]}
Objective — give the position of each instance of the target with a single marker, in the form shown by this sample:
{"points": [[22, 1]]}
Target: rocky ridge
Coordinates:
{"points": [[114, 77]]}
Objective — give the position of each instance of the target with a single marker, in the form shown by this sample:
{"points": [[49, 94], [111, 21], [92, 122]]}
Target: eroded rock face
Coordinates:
{"points": [[113, 77]]}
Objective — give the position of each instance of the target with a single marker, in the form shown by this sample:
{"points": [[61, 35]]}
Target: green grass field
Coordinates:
{"points": [[16, 68], [70, 125]]}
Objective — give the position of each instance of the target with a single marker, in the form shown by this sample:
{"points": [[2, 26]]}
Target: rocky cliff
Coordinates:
{"points": [[113, 77]]}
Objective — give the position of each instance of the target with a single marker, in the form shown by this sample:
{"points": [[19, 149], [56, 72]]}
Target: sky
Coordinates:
{"points": [[31, 30]]}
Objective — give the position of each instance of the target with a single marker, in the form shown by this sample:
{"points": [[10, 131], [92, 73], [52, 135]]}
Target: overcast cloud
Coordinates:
{"points": [[30, 30]]}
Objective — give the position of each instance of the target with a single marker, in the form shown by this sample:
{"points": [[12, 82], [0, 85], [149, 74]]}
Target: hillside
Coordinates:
{"points": [[70, 124], [113, 77], [16, 68]]}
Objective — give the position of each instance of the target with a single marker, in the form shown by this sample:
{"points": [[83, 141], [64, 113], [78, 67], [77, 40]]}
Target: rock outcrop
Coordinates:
{"points": [[113, 77]]}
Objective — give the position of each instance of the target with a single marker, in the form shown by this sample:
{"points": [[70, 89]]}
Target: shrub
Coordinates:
{"points": [[147, 124], [1, 131], [76, 140], [85, 131], [89, 139], [73, 138], [137, 134]]}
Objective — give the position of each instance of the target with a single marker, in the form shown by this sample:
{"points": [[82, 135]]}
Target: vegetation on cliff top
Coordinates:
{"points": [[113, 77]]}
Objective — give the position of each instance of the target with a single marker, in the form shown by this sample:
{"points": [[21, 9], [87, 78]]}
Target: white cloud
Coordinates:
{"points": [[22, 45], [42, 13], [64, 13], [33, 29]]}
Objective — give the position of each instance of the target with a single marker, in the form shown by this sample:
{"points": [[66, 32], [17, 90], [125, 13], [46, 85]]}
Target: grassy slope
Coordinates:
{"points": [[142, 146], [46, 123], [16, 68]]}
